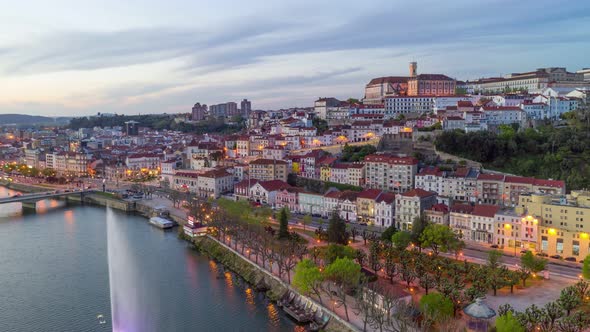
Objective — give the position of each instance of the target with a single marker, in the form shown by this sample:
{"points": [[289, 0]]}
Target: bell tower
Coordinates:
{"points": [[413, 69]]}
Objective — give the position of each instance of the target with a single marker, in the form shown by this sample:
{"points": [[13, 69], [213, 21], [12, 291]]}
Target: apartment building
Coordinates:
{"points": [[563, 222], [269, 169], [390, 173], [214, 183]]}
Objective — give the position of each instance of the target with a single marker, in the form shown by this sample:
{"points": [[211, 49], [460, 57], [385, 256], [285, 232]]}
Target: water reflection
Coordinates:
{"points": [[250, 297], [229, 280], [273, 314]]}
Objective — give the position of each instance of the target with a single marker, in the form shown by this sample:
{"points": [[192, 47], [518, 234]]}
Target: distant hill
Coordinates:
{"points": [[23, 119]]}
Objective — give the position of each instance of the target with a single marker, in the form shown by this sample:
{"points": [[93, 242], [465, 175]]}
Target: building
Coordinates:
{"points": [[214, 183], [503, 115], [33, 157], [365, 205], [343, 202], [410, 205], [431, 84], [227, 110], [324, 105], [483, 219], [269, 169], [245, 107], [396, 105], [312, 204], [288, 198], [379, 88], [132, 128], [143, 161], [198, 112], [185, 181], [390, 173], [438, 214], [460, 220], [385, 210], [563, 222], [532, 82], [513, 230]]}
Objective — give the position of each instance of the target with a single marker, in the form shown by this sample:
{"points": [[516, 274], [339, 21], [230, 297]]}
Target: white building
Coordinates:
{"points": [[410, 205]]}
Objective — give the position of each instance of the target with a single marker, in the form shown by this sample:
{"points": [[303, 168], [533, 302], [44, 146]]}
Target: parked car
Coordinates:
{"points": [[495, 246], [555, 256], [570, 259], [524, 251], [542, 254]]}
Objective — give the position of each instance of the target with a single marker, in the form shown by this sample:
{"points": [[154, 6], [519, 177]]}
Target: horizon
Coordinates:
{"points": [[152, 58]]}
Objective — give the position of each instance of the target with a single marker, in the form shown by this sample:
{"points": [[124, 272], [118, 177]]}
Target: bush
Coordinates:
{"points": [[508, 323], [436, 306]]}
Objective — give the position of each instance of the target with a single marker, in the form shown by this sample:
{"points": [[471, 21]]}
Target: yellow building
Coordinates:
{"points": [[325, 173], [365, 205], [564, 222]]}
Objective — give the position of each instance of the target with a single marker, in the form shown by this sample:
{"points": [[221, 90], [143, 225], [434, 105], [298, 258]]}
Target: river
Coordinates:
{"points": [[54, 276]]}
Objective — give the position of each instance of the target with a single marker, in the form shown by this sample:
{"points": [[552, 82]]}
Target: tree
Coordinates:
{"points": [[354, 233], [390, 266], [401, 240], [345, 274], [365, 300], [418, 226], [335, 251], [388, 233], [427, 282], [494, 259], [337, 229], [436, 307], [308, 278], [283, 224], [569, 299], [577, 322], [360, 256], [586, 267], [508, 323], [530, 264], [374, 256], [306, 220], [437, 237], [496, 278]]}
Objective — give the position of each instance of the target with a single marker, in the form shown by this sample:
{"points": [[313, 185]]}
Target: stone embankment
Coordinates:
{"points": [[259, 278]]}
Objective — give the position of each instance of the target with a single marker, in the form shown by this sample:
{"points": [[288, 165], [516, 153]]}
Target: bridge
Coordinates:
{"points": [[29, 201]]}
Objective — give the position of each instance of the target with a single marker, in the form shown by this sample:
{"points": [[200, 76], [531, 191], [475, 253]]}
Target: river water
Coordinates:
{"points": [[54, 276]]}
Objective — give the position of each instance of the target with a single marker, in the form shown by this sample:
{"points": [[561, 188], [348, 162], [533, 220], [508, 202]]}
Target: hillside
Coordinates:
{"points": [[23, 119]]}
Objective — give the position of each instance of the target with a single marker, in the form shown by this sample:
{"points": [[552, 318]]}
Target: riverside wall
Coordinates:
{"points": [[25, 188], [259, 278]]}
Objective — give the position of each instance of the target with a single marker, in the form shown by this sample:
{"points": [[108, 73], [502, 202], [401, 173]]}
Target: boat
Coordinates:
{"points": [[161, 222]]}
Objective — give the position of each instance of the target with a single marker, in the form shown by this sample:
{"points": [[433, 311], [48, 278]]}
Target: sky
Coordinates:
{"points": [[71, 58]]}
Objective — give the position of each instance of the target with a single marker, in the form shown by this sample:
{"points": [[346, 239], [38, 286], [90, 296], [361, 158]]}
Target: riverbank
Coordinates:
{"points": [[25, 188], [259, 278]]}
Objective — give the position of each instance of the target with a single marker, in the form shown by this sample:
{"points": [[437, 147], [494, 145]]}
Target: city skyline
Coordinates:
{"points": [[129, 58]]}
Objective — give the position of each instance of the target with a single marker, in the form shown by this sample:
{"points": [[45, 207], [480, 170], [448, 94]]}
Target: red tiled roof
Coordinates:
{"points": [[462, 208], [274, 185], [388, 79], [440, 207], [490, 177], [418, 192], [215, 173], [187, 175], [485, 210], [369, 194], [388, 198], [432, 77], [391, 159], [462, 103], [549, 183], [263, 161], [430, 171]]}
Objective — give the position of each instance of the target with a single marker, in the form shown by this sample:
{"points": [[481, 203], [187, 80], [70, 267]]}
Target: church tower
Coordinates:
{"points": [[413, 69]]}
